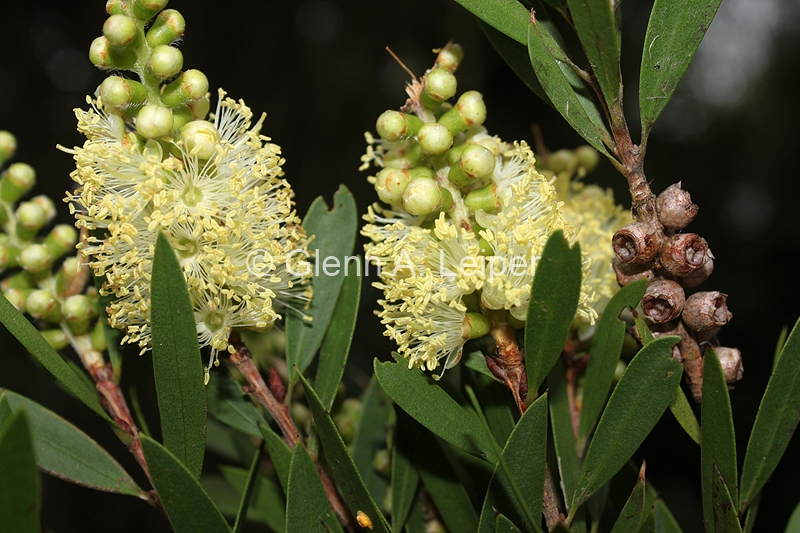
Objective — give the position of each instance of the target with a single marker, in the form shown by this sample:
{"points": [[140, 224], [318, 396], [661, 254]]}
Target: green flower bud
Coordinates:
{"points": [[189, 86], [346, 427], [70, 268], [120, 30], [476, 325], [3, 216], [483, 198], [98, 337], [147, 9], [454, 154], [154, 121], [165, 61], [434, 138], [476, 162], [35, 258], [17, 298], [382, 462], [5, 257], [514, 322], [8, 145], [422, 196], [422, 172], [469, 112], [390, 184], [103, 54], [166, 29], [450, 57], [472, 301], [395, 126], [200, 138], [61, 240], [201, 106], [20, 280], [587, 157], [47, 205], [18, 179], [352, 408], [56, 338], [562, 161], [116, 91], [115, 7], [43, 305], [30, 218], [77, 308], [447, 200], [440, 85]]}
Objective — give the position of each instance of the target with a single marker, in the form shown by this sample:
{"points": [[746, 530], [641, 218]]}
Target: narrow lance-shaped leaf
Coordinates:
{"points": [[633, 514], [32, 340], [426, 402], [723, 517], [373, 426], [507, 16], [177, 366], [336, 344], [563, 434], [334, 234], [554, 300], [20, 501], [718, 452], [504, 525], [793, 526], [349, 482], [558, 88], [596, 28], [637, 403], [267, 501], [280, 454], [680, 408], [405, 477], [188, 506], [247, 490], [605, 351], [524, 456], [672, 38], [66, 452], [228, 403], [775, 422], [307, 508]]}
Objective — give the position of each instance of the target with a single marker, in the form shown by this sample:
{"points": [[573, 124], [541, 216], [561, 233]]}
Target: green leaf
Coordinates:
{"points": [[416, 519], [672, 38], [5, 409], [633, 514], [723, 518], [446, 491], [188, 506], [594, 23], [493, 399], [508, 16], [405, 477], [563, 434], [280, 454], [334, 234], [477, 362], [247, 490], [307, 508], [554, 300], [679, 405], [228, 403], [665, 522], [426, 402], [267, 501], [504, 525], [751, 513], [177, 367], [20, 501], [31, 339], [779, 346], [547, 59], [349, 482], [336, 344], [794, 521], [519, 495], [644, 332], [637, 403], [373, 426], [65, 451], [775, 422], [605, 351], [718, 451]]}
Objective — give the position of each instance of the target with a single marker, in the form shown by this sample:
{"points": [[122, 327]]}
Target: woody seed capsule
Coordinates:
{"points": [[731, 361], [627, 274], [663, 300], [701, 274], [675, 207], [636, 243], [683, 254], [705, 311]]}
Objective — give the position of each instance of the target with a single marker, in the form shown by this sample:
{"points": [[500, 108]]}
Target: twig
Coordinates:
{"points": [[509, 364], [552, 516]]}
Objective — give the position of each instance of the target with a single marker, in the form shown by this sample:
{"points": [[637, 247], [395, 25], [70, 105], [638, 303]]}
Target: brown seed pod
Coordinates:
{"points": [[706, 311], [683, 254], [627, 274], [663, 300], [731, 361], [675, 207], [636, 243], [701, 274]]}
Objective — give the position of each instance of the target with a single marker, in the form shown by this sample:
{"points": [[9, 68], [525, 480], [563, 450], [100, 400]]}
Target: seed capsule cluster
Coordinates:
{"points": [[140, 36], [36, 281], [672, 262]]}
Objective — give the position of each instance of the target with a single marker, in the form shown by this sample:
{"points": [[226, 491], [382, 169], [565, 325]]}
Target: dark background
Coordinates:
{"points": [[320, 71]]}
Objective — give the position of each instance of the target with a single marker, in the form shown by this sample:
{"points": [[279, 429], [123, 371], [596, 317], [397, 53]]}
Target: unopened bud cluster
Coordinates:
{"points": [[37, 278], [467, 219], [140, 36], [672, 262]]}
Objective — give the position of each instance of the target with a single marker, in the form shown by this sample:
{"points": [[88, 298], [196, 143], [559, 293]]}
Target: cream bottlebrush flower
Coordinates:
{"points": [[593, 212], [217, 196]]}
